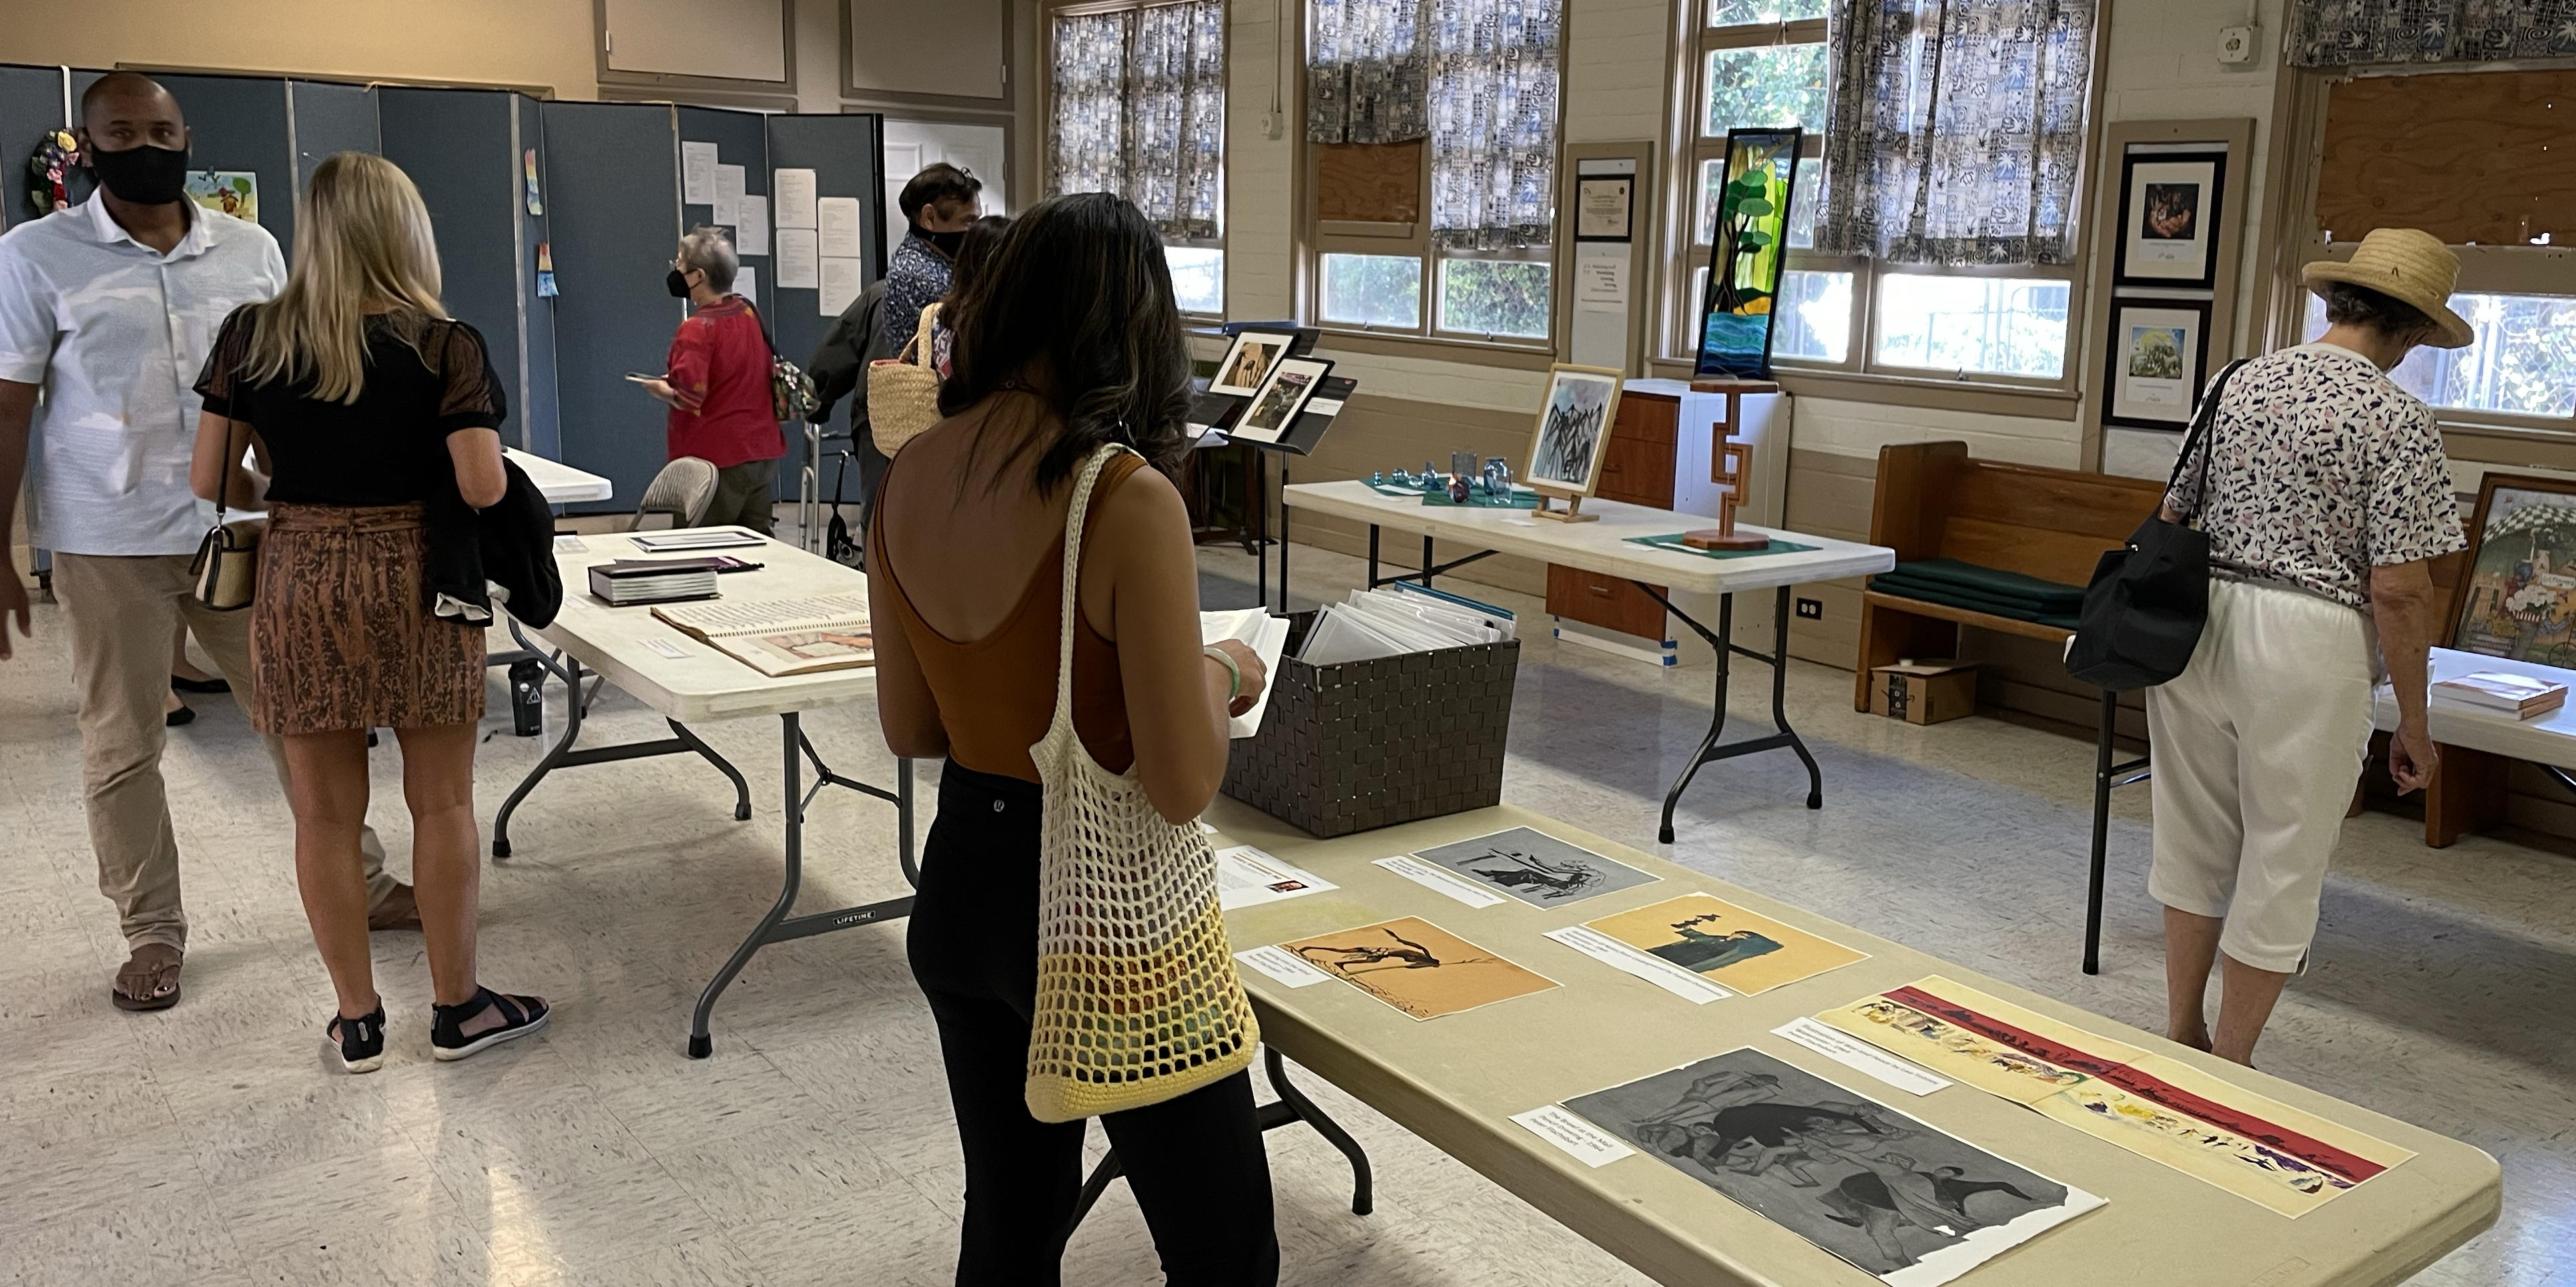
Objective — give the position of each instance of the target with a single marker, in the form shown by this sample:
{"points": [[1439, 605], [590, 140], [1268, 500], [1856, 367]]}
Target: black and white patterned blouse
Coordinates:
{"points": [[2320, 469]]}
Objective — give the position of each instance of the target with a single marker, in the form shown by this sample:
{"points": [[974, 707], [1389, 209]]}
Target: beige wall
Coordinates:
{"points": [[514, 42]]}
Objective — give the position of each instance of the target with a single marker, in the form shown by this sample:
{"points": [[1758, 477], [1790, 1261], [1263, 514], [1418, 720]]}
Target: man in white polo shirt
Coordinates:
{"points": [[107, 309]]}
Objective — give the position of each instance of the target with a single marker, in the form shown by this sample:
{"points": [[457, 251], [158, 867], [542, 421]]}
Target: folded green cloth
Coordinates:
{"points": [[1895, 583], [1974, 603], [1990, 581]]}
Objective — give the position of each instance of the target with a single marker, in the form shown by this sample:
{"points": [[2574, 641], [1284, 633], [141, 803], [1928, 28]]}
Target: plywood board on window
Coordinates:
{"points": [[2469, 157], [727, 39], [947, 48], [1369, 182]]}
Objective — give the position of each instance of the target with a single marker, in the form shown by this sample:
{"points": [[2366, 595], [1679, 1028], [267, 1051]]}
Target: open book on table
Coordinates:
{"points": [[779, 637], [1266, 636]]}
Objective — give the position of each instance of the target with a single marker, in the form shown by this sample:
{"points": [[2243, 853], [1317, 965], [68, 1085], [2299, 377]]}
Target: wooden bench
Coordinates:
{"points": [[1934, 502]]}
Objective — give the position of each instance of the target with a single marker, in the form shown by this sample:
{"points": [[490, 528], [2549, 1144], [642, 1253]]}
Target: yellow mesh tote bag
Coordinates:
{"points": [[1138, 1001]]}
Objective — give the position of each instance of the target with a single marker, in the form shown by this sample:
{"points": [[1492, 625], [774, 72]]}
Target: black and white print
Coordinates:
{"points": [[1909, 1203], [1535, 867], [1573, 423]]}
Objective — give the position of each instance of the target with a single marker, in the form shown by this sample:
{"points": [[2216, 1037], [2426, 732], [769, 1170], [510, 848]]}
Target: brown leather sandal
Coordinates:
{"points": [[399, 911], [149, 979]]}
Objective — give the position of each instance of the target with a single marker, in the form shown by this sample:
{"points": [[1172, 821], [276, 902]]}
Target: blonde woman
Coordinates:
{"points": [[367, 401]]}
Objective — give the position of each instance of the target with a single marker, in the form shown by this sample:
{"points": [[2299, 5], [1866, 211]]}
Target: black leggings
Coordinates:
{"points": [[1194, 1163]]}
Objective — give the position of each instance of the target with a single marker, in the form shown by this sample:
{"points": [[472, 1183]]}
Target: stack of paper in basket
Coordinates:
{"points": [[2520, 696]]}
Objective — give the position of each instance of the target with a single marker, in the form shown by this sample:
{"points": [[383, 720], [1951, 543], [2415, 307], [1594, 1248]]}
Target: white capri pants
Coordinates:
{"points": [[2256, 748]]}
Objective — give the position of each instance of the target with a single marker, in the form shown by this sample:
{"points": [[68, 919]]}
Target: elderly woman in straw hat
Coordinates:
{"points": [[2328, 496]]}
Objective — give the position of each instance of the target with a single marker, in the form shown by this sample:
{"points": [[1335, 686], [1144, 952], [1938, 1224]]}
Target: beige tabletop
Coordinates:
{"points": [[2542, 739], [1456, 1080]]}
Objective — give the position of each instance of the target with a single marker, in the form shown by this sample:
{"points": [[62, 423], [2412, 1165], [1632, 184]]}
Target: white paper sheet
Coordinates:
{"points": [[836, 223], [796, 259], [667, 647], [795, 189], [1601, 283], [698, 174], [1627, 960], [746, 283], [1438, 881], [1267, 636], [840, 284], [1860, 1056], [1283, 966], [1581, 1140], [728, 198], [751, 236], [1248, 877]]}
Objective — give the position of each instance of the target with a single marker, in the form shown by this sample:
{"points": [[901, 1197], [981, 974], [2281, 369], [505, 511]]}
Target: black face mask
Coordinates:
{"points": [[677, 282], [948, 242], [146, 176]]}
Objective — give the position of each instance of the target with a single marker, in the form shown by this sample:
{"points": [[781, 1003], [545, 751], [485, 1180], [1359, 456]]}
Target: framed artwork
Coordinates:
{"points": [[1246, 361], [234, 192], [1573, 425], [1603, 206], [2517, 598], [1275, 405], [1750, 252], [2159, 355], [2169, 210]]}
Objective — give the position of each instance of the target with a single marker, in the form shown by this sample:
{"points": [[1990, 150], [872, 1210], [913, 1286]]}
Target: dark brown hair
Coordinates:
{"points": [[2362, 306], [1075, 310], [982, 238], [937, 182]]}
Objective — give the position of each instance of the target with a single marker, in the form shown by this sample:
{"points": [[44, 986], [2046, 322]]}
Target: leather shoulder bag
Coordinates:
{"points": [[226, 568]]}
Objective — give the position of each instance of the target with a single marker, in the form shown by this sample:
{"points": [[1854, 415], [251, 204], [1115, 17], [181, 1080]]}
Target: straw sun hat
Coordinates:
{"points": [[2407, 265]]}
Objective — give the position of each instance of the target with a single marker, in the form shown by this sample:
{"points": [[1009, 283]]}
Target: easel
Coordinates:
{"points": [[1573, 511], [1730, 466]]}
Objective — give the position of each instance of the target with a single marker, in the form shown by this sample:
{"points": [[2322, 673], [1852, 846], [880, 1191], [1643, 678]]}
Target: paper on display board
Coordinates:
{"points": [[836, 227], [746, 283], [799, 268], [795, 189], [698, 174], [840, 283], [751, 236], [728, 197]]}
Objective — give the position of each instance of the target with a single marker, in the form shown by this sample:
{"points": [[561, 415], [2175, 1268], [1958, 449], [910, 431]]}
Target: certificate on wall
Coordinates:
{"points": [[1603, 205], [2159, 361]]}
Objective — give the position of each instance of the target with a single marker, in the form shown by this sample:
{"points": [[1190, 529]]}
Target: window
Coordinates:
{"points": [[1764, 64], [1432, 138], [2522, 363], [1136, 106]]}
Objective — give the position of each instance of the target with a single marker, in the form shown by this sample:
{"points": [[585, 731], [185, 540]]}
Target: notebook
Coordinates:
{"points": [[1266, 636]]}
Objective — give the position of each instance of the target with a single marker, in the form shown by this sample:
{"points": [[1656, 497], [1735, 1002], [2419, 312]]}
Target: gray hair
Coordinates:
{"points": [[709, 251]]}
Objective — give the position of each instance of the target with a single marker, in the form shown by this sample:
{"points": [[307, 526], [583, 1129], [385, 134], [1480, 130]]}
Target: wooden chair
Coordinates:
{"points": [[1934, 502]]}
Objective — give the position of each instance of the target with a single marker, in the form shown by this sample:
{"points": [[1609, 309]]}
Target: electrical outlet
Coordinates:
{"points": [[1811, 609]]}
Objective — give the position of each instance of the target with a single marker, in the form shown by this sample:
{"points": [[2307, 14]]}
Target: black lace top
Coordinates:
{"points": [[426, 378]]}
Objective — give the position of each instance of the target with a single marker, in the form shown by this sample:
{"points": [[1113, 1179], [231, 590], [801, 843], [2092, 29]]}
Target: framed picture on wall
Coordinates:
{"points": [[2517, 598], [2159, 356], [2169, 210]]}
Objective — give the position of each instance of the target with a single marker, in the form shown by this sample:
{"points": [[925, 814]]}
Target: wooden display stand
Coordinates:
{"points": [[1573, 511], [1730, 466]]}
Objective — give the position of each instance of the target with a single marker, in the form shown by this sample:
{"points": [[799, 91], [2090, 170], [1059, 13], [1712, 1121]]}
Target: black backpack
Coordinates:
{"points": [[2148, 600]]}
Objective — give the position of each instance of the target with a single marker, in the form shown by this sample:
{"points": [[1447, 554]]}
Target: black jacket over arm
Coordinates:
{"points": [[511, 545]]}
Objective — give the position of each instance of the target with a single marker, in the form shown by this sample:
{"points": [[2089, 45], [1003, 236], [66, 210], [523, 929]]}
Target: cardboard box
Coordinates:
{"points": [[1924, 692]]}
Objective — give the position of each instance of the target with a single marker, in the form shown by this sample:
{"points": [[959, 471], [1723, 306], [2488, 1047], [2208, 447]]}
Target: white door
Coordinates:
{"points": [[910, 145]]}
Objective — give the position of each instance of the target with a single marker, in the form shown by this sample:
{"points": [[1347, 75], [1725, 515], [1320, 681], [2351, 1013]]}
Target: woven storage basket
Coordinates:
{"points": [[1369, 744]]}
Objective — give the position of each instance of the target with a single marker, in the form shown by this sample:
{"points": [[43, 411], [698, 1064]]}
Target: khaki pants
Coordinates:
{"points": [[123, 611], [743, 496]]}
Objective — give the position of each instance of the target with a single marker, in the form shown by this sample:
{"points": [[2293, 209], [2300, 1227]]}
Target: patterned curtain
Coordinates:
{"points": [[1955, 130], [1493, 122], [1364, 72], [1140, 111], [2337, 33]]}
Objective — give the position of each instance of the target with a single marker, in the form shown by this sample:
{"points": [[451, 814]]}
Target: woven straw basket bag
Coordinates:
{"points": [[903, 394], [1138, 1001]]}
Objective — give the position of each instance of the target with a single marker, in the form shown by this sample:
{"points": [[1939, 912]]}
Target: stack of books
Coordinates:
{"points": [[632, 581], [2520, 696]]}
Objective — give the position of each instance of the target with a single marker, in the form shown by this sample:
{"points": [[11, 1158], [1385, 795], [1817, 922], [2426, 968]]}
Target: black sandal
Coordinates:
{"points": [[187, 685], [362, 1040], [519, 1017]]}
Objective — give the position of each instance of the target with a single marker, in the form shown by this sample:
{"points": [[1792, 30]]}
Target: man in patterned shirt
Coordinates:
{"points": [[2325, 495], [937, 206]]}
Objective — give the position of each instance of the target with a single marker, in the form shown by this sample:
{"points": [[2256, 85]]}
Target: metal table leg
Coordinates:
{"points": [[1723, 644], [775, 925], [1292, 1106]]}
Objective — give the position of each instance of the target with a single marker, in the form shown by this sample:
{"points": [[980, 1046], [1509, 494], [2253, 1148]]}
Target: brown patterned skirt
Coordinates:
{"points": [[341, 635]]}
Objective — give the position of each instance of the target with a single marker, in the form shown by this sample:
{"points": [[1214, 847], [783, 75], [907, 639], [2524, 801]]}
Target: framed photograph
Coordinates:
{"points": [[2517, 598], [2169, 210], [2159, 355], [1573, 424], [1276, 404], [1247, 361], [1603, 206]]}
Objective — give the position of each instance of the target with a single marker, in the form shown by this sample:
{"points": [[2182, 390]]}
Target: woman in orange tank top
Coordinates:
{"points": [[1066, 341]]}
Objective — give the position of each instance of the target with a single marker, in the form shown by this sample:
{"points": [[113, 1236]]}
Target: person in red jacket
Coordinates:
{"points": [[718, 384]]}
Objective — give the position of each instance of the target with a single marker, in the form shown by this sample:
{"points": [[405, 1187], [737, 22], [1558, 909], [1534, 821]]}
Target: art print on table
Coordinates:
{"points": [[1734, 947], [1906, 1202], [1534, 867], [1417, 967], [1275, 406], [2159, 361], [1573, 424], [2518, 600], [2169, 212], [1239, 373], [233, 192]]}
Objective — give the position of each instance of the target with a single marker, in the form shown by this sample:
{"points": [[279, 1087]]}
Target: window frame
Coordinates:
{"points": [[1689, 147], [1048, 12], [1317, 237]]}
